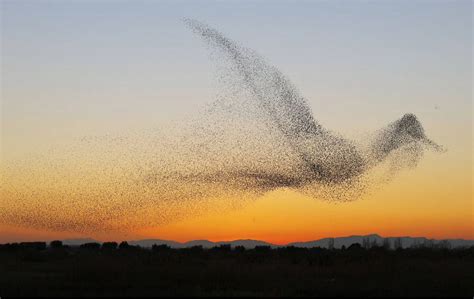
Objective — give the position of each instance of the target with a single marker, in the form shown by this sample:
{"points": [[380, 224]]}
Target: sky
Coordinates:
{"points": [[87, 68]]}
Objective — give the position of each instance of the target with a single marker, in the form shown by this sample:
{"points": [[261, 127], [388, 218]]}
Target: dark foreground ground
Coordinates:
{"points": [[130, 271]]}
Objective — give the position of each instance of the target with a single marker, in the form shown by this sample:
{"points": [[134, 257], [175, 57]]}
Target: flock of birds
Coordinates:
{"points": [[259, 135]]}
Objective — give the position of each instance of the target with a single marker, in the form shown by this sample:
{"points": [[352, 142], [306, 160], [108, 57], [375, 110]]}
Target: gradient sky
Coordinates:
{"points": [[83, 68]]}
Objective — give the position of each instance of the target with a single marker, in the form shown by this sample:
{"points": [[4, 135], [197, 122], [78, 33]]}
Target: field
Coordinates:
{"points": [[111, 270]]}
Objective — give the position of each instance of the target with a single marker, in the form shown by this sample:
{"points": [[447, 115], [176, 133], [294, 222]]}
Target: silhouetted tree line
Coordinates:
{"points": [[366, 245], [118, 269]]}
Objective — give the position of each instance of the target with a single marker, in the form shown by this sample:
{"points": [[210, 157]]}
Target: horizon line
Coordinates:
{"points": [[234, 240]]}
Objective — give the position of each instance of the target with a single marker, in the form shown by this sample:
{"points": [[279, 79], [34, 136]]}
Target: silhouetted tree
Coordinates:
{"points": [[124, 245], [397, 244], [355, 246], [223, 247], [373, 243], [366, 243], [109, 246], [331, 244], [56, 244], [386, 244]]}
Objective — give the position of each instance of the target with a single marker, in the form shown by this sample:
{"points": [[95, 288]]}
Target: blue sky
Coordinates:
{"points": [[74, 68]]}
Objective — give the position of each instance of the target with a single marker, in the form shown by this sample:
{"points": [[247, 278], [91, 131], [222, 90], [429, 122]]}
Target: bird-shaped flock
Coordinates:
{"points": [[258, 136]]}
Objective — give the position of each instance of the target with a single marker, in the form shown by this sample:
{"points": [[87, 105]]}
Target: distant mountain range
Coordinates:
{"points": [[323, 243]]}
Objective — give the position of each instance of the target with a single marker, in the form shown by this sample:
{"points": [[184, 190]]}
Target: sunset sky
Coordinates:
{"points": [[71, 69]]}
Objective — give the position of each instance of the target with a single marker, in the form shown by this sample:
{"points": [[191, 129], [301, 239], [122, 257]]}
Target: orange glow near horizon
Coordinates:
{"points": [[413, 204]]}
